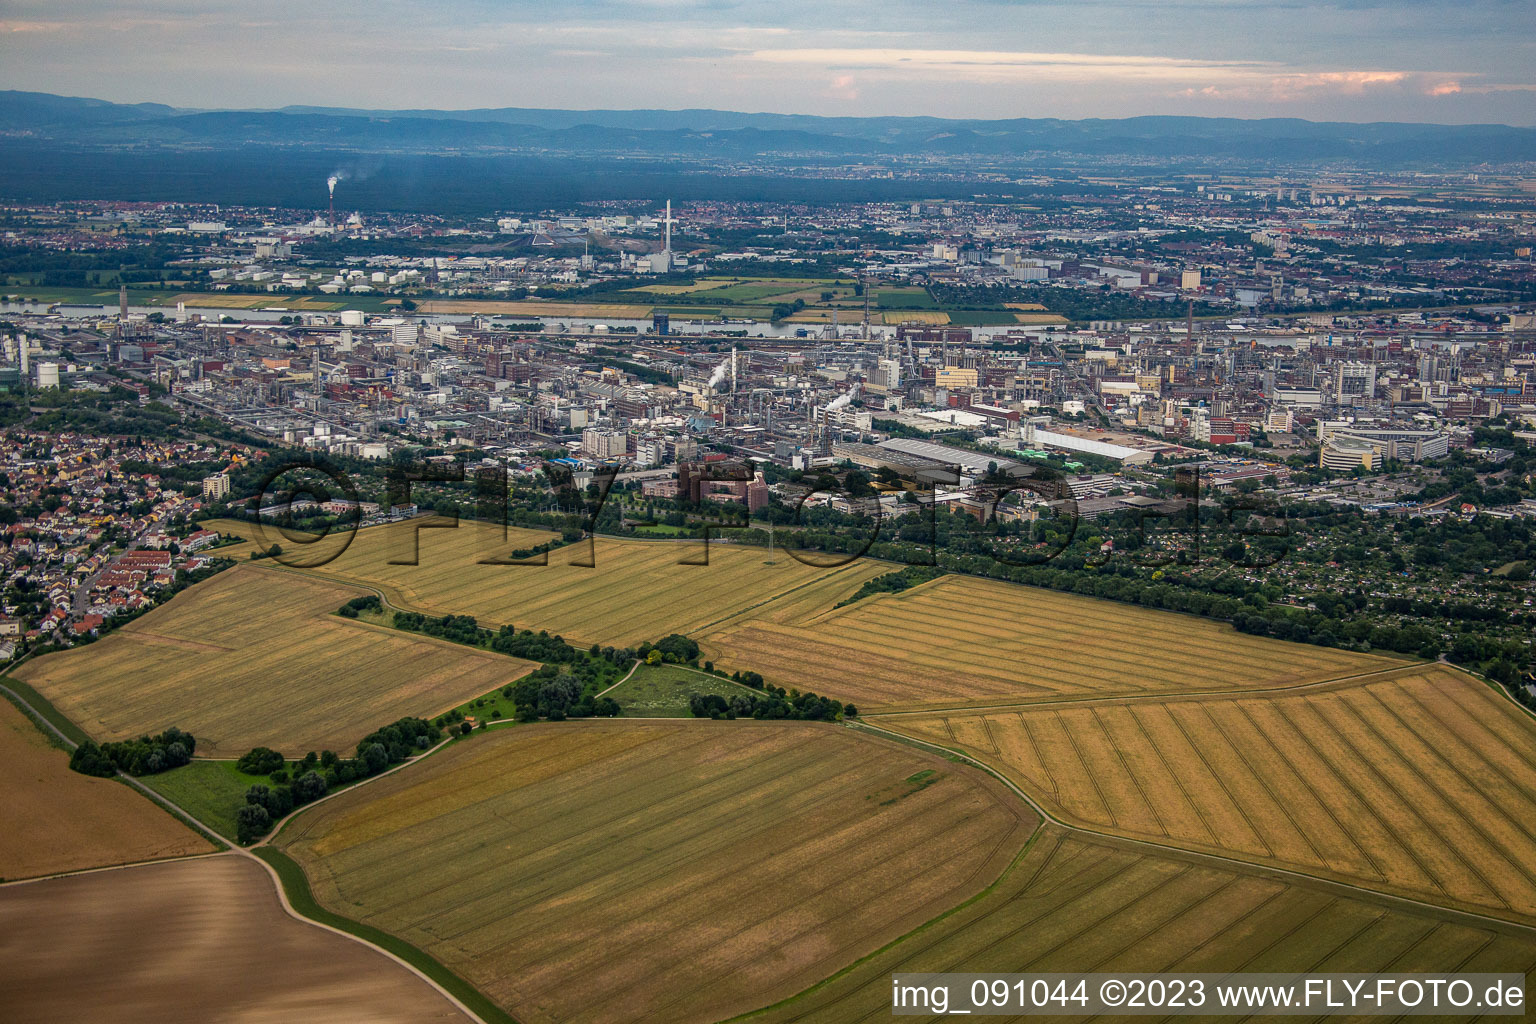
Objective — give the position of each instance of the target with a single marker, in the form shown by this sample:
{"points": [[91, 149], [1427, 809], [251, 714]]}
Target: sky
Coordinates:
{"points": [[1344, 60]]}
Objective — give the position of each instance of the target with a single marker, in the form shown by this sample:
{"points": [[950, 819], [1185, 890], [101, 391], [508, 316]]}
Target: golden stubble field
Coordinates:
{"points": [[58, 820], [628, 871], [1080, 903], [960, 640], [196, 940], [1420, 781], [255, 657], [634, 591]]}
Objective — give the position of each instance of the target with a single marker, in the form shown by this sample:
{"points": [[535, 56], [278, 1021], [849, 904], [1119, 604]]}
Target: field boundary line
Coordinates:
{"points": [[12, 882], [1235, 862], [288, 907], [1354, 679], [285, 871]]}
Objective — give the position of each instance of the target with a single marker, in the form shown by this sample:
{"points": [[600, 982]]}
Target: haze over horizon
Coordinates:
{"points": [[1322, 60]]}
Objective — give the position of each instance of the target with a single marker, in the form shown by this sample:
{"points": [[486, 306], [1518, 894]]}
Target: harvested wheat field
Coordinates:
{"points": [[197, 940], [58, 820], [1421, 781], [1077, 903], [255, 657], [931, 317], [636, 591], [962, 640], [613, 871]]}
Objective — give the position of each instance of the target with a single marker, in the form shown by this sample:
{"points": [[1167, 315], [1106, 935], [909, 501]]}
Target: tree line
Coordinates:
{"points": [[147, 755]]}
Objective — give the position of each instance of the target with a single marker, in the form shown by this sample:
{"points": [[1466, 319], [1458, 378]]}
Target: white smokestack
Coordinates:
{"points": [[667, 248]]}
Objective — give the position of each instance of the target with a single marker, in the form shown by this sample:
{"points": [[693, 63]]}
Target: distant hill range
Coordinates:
{"points": [[45, 119]]}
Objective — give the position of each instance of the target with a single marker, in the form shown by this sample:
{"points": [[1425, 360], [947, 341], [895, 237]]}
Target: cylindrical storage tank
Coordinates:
{"points": [[47, 375], [352, 318]]}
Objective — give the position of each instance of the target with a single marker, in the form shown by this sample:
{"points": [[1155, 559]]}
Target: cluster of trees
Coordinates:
{"points": [[461, 629], [565, 684], [370, 603], [465, 629], [146, 755], [525, 644], [773, 703], [1501, 660], [266, 804], [316, 775], [673, 649], [531, 646], [787, 309], [894, 582], [555, 693], [260, 761]]}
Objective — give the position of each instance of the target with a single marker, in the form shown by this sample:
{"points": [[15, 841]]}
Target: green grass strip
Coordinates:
{"points": [[40, 706], [296, 885]]}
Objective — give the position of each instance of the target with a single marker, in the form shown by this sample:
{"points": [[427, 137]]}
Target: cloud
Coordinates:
{"points": [[35, 26], [842, 88], [1251, 80], [992, 64], [1352, 59]]}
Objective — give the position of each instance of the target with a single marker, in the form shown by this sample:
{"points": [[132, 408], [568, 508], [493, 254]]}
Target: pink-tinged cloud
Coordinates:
{"points": [[1265, 82], [843, 88]]}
